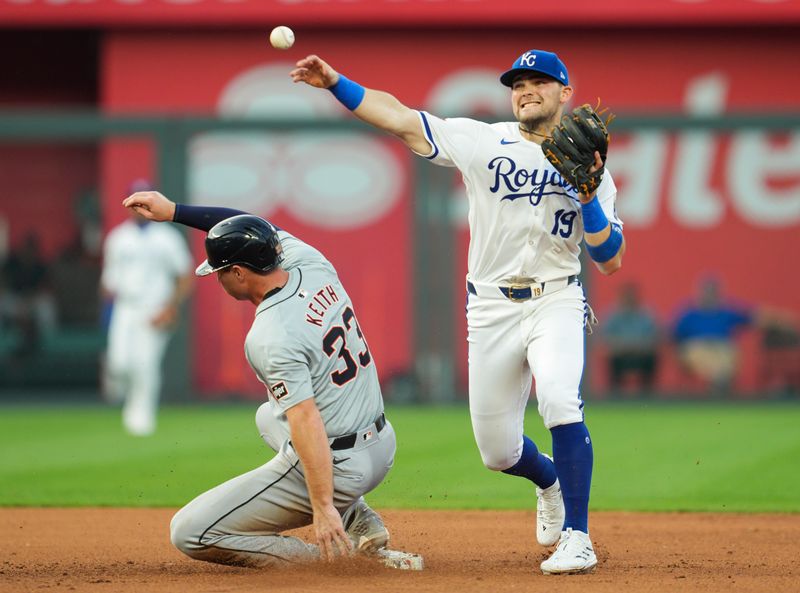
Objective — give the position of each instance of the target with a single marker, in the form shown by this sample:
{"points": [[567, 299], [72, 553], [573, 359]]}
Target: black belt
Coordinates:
{"points": [[517, 294], [347, 441]]}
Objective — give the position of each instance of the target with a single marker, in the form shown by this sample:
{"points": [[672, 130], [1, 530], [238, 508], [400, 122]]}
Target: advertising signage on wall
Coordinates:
{"points": [[693, 202], [109, 13]]}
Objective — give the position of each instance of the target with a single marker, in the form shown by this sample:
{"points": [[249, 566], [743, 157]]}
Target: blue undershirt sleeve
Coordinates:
{"points": [[202, 217]]}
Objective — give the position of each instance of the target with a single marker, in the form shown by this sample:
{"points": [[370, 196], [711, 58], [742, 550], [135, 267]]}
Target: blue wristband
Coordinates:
{"points": [[594, 219], [349, 93], [608, 248]]}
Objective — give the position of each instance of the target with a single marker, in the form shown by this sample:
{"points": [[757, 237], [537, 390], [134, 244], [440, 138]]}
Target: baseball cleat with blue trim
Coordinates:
{"points": [[574, 555], [549, 513]]}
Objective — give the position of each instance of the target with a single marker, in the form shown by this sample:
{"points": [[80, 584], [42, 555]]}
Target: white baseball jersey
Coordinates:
{"points": [[142, 262], [523, 216], [305, 342]]}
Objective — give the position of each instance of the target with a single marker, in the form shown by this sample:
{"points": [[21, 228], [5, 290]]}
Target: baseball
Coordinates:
{"points": [[281, 37]]}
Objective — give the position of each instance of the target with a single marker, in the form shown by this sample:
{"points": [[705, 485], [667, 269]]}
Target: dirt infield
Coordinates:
{"points": [[126, 550]]}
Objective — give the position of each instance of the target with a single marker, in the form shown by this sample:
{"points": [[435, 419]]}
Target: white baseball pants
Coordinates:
{"points": [[135, 353], [510, 341]]}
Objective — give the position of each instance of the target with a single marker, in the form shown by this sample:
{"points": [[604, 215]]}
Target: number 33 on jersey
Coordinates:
{"points": [[306, 342]]}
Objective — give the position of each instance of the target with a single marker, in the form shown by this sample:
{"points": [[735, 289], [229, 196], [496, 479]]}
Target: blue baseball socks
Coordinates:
{"points": [[573, 455], [533, 465]]}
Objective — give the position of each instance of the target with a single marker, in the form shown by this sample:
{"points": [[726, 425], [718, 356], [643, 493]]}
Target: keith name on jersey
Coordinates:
{"points": [[319, 304], [522, 183]]}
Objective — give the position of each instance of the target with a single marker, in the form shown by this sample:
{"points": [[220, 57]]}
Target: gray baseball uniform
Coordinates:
{"points": [[304, 342]]}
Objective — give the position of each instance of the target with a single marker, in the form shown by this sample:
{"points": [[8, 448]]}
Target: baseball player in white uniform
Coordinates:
{"points": [[324, 416], [526, 310], [147, 273]]}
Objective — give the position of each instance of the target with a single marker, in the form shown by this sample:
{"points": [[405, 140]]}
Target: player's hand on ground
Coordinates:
{"points": [[332, 539], [152, 205], [315, 71]]}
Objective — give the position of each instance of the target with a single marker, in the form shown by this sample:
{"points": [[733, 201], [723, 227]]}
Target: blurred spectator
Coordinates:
{"points": [[4, 233], [75, 273], [27, 300], [87, 214], [6, 308], [705, 332], [781, 365], [631, 335], [147, 272]]}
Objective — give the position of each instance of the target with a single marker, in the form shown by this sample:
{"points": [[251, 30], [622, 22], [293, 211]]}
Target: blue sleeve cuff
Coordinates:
{"points": [[594, 219], [608, 248], [202, 217]]}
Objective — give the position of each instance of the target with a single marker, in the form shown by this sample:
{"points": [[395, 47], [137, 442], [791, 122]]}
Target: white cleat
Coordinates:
{"points": [[549, 513], [574, 555], [138, 426], [365, 528]]}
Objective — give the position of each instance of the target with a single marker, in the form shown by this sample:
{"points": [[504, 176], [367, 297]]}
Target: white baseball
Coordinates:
{"points": [[281, 37]]}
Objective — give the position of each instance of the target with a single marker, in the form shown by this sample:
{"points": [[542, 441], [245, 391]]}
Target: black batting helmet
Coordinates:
{"points": [[245, 240]]}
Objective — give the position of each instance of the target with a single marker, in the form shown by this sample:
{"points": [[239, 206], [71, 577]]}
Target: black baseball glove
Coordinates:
{"points": [[572, 146]]}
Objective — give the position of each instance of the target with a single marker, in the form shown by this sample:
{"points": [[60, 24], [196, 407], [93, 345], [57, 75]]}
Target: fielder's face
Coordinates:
{"points": [[538, 99]]}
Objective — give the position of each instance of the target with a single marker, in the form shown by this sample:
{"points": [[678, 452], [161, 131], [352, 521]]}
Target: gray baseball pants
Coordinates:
{"points": [[240, 521]]}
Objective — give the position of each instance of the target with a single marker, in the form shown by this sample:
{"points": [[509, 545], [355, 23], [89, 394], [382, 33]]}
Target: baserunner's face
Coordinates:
{"points": [[536, 98], [231, 282]]}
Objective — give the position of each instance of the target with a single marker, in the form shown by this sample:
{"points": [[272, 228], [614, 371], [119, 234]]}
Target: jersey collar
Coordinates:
{"points": [[291, 288]]}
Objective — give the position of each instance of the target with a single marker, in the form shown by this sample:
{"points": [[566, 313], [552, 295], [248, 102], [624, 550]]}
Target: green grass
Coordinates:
{"points": [[687, 457]]}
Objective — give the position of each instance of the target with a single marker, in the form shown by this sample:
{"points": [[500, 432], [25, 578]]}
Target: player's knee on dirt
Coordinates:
{"points": [[184, 534]]}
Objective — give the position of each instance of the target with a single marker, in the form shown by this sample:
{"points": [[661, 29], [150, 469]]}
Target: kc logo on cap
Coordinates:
{"points": [[527, 59], [537, 60]]}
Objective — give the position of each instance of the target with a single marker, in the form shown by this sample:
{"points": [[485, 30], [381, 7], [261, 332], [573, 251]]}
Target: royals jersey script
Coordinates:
{"points": [[523, 217], [306, 342]]}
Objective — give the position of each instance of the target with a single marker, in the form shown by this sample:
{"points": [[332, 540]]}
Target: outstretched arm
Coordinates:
{"points": [[377, 108], [157, 207]]}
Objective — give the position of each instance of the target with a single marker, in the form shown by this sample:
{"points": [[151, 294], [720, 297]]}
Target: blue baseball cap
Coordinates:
{"points": [[537, 60]]}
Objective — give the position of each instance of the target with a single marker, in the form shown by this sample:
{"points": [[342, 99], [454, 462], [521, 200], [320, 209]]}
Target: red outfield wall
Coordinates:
{"points": [[693, 203], [444, 13]]}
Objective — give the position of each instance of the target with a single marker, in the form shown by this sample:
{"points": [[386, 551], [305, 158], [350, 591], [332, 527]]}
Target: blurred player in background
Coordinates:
{"points": [[146, 276], [526, 310], [324, 414]]}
